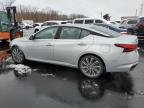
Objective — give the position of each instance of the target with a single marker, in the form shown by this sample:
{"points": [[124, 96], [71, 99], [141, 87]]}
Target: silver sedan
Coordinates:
{"points": [[93, 50]]}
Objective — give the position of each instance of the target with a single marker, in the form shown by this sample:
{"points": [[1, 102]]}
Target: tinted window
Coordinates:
{"points": [[48, 33], [84, 33], [70, 33], [98, 21], [132, 22], [89, 21], [78, 21]]}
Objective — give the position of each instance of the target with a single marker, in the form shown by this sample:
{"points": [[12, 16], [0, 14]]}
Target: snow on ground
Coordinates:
{"points": [[20, 68]]}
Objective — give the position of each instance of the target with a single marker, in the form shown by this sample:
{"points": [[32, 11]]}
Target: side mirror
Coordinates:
{"points": [[32, 37]]}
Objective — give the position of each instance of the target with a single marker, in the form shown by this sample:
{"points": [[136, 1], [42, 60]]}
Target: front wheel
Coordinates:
{"points": [[91, 66], [17, 55]]}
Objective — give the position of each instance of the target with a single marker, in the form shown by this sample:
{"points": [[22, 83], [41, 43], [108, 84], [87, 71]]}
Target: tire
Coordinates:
{"points": [[91, 66], [17, 55]]}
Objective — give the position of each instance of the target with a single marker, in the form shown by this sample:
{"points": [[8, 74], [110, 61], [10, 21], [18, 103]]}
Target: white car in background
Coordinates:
{"points": [[47, 24], [90, 21], [26, 26]]}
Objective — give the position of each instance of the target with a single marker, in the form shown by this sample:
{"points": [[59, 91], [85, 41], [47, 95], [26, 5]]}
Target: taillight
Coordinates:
{"points": [[138, 24], [125, 33], [127, 47]]}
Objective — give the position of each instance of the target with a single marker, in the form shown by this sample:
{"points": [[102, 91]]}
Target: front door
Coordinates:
{"points": [[42, 47]]}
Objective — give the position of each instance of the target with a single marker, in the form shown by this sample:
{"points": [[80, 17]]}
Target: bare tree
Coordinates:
{"points": [[6, 3]]}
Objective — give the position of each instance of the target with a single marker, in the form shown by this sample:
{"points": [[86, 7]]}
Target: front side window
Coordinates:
{"points": [[70, 33], [48, 33], [89, 21]]}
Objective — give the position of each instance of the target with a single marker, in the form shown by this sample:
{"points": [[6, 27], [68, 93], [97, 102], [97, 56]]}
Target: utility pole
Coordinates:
{"points": [[141, 9], [136, 13]]}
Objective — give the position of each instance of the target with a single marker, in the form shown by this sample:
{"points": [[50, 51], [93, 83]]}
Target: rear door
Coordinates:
{"points": [[71, 43]]}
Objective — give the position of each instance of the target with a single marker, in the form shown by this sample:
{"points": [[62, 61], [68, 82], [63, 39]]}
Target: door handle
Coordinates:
{"points": [[82, 44], [49, 44]]}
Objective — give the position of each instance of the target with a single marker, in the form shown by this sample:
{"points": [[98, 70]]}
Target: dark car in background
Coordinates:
{"points": [[128, 23], [114, 28], [138, 29]]}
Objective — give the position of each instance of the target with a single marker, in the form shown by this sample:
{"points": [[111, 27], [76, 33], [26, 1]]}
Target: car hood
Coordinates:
{"points": [[22, 39]]}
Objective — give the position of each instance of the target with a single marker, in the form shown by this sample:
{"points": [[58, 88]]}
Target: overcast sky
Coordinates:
{"points": [[91, 8]]}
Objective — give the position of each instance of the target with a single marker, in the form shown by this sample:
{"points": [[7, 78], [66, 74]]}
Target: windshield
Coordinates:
{"points": [[104, 30], [4, 22]]}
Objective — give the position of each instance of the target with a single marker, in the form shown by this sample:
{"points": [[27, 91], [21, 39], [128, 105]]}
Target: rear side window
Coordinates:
{"points": [[107, 32], [84, 33], [78, 21], [132, 22], [70, 33], [89, 21], [98, 21]]}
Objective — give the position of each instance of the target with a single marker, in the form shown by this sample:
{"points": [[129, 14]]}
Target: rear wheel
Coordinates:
{"points": [[91, 66], [17, 55]]}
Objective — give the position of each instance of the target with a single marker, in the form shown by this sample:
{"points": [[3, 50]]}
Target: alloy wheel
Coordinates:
{"points": [[91, 66], [17, 55]]}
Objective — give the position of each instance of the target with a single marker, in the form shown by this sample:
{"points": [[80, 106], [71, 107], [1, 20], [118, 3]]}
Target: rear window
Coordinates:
{"points": [[78, 21], [110, 33], [132, 22]]}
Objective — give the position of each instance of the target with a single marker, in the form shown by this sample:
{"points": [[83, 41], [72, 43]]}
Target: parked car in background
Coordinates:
{"points": [[89, 21], [26, 25], [138, 30], [128, 23], [48, 23], [92, 49], [114, 28], [37, 24]]}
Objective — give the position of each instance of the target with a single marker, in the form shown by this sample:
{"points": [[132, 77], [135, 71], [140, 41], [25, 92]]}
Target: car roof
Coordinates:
{"points": [[86, 26], [57, 21]]}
